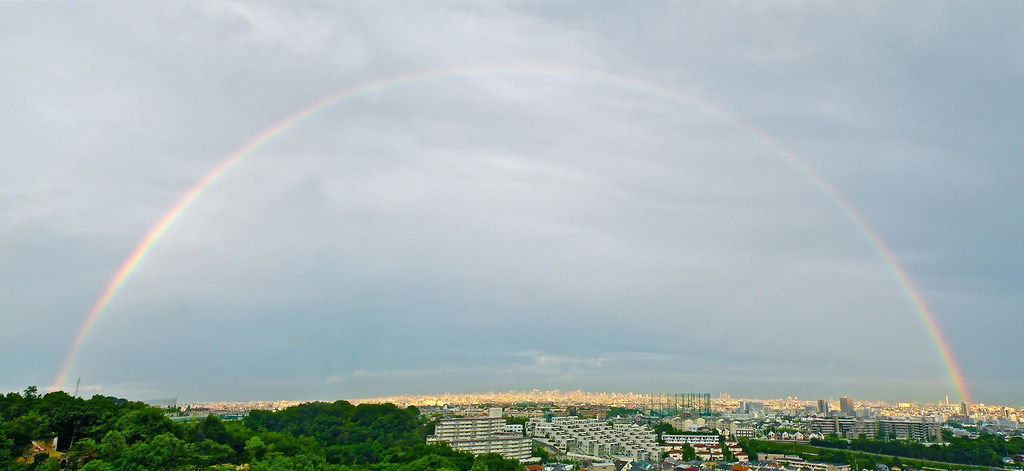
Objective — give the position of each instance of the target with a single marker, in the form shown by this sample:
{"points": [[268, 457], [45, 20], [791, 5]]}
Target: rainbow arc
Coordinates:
{"points": [[155, 233]]}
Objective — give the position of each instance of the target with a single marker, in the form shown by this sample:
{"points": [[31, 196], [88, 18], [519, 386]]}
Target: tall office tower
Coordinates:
{"points": [[964, 410], [846, 406], [822, 406]]}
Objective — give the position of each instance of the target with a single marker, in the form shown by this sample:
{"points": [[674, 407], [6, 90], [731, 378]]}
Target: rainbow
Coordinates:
{"points": [[168, 219]]}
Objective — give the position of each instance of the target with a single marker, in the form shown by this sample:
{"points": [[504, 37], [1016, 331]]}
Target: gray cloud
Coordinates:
{"points": [[537, 227]]}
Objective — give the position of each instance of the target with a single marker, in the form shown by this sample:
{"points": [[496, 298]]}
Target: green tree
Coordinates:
{"points": [[83, 451], [495, 462], [27, 427], [214, 429], [5, 451], [665, 428], [542, 453], [255, 448], [429, 463], [143, 424], [112, 446], [164, 451], [460, 460], [96, 465], [48, 463], [301, 462], [208, 452]]}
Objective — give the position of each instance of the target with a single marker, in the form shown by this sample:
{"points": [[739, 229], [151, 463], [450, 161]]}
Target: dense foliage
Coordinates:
{"points": [[106, 433], [665, 428], [621, 411], [986, 450]]}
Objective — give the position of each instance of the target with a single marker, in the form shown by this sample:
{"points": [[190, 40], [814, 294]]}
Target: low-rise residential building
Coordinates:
{"points": [[737, 451], [708, 452]]}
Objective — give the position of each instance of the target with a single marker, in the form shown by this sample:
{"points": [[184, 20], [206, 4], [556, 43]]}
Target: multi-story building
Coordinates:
{"points": [[846, 406], [469, 427], [676, 440], [801, 465], [923, 429], [843, 427], [480, 435], [594, 437], [740, 431]]}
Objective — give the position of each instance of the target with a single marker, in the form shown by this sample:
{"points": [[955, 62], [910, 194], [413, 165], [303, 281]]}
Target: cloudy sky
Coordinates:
{"points": [[653, 197]]}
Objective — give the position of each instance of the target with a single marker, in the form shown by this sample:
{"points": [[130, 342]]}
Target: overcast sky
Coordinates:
{"points": [[606, 196]]}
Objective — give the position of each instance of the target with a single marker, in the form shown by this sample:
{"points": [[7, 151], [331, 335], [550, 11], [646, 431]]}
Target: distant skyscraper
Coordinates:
{"points": [[846, 406], [822, 406], [964, 410]]}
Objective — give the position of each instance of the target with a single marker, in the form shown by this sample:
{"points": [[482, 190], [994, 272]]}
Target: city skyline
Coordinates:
{"points": [[843, 405], [312, 201]]}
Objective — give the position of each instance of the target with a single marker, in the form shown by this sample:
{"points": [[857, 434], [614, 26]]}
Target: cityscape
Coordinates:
{"points": [[511, 235], [599, 429], [743, 412], [517, 430]]}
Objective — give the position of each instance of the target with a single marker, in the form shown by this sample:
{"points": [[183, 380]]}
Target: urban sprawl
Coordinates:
{"points": [[612, 432]]}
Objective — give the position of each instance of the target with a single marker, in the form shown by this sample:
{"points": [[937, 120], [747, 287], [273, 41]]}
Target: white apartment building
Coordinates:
{"points": [[800, 465], [677, 440], [925, 429], [469, 427], [480, 435], [596, 438]]}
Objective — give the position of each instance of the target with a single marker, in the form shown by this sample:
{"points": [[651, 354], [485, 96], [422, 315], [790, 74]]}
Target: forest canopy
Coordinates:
{"points": [[109, 433]]}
